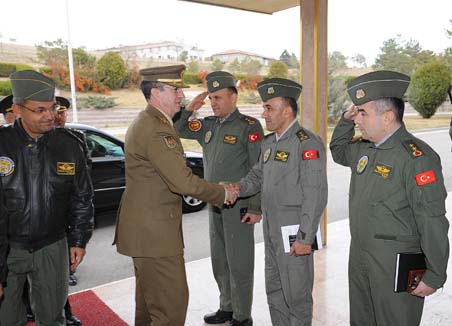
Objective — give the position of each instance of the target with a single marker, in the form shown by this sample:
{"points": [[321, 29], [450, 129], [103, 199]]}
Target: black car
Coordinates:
{"points": [[107, 173]]}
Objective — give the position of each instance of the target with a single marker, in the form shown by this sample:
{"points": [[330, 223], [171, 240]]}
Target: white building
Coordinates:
{"points": [[230, 55]]}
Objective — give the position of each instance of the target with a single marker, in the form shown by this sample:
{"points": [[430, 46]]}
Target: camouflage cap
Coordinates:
{"points": [[278, 87], [6, 104], [378, 84], [31, 85], [218, 80], [63, 103], [171, 75]]}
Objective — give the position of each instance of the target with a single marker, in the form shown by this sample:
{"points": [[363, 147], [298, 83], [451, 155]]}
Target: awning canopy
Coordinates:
{"points": [[261, 6]]}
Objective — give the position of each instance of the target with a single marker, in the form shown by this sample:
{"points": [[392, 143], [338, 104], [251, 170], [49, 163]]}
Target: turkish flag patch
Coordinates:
{"points": [[425, 178], [310, 154], [254, 137]]}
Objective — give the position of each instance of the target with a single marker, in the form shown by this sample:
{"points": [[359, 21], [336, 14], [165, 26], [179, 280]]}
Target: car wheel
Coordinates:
{"points": [[191, 204]]}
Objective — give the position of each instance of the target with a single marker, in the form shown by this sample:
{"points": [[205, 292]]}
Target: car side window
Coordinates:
{"points": [[99, 146]]}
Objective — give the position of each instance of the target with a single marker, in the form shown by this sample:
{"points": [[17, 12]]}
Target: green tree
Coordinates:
{"points": [[359, 59], [449, 32], [446, 58], [183, 56], [336, 61], [234, 66], [193, 66], [111, 70], [278, 69], [250, 66], [337, 97], [294, 62], [428, 88], [82, 58], [217, 65]]}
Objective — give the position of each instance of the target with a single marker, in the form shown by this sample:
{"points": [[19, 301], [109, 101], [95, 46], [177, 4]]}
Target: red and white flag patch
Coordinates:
{"points": [[254, 137], [310, 154], [425, 178]]}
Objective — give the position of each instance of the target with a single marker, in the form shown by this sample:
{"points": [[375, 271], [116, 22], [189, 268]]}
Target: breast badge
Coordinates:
{"points": [[383, 170], [6, 166], [194, 125], [170, 141], [207, 137], [362, 163], [229, 139], [65, 168], [282, 156], [267, 154]]}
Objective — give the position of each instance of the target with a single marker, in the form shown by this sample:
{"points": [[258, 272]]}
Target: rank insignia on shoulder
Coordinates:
{"points": [[267, 154], [250, 121], [194, 125], [302, 135], [229, 139], [425, 177], [412, 148], [383, 170], [310, 154], [254, 137], [282, 156], [170, 141], [207, 137], [362, 163], [65, 168], [163, 120], [6, 166]]}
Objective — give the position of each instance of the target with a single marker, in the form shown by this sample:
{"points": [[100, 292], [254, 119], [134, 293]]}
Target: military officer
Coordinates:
{"points": [[397, 202], [3, 243], [149, 225], [291, 175], [231, 145], [6, 107]]}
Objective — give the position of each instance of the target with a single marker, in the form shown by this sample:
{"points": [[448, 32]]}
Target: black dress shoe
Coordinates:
{"points": [[218, 317], [246, 322], [73, 321], [30, 317], [72, 279]]}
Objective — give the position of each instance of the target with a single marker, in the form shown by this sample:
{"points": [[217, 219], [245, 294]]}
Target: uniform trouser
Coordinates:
{"points": [[289, 282], [161, 293], [373, 301], [232, 254], [47, 272]]}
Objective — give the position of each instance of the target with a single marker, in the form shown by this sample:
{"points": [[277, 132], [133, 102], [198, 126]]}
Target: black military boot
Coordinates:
{"points": [[246, 322], [71, 320], [218, 317]]}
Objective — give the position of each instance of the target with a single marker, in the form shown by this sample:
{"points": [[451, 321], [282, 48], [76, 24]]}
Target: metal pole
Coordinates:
{"points": [[71, 67]]}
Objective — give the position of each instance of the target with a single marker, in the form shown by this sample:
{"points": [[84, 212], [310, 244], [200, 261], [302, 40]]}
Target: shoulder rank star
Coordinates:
{"points": [[302, 135], [250, 121]]}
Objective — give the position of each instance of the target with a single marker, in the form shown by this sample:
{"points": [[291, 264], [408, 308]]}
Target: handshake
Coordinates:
{"points": [[232, 192]]}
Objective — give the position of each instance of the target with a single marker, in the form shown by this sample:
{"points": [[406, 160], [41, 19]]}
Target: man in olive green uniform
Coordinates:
{"points": [[231, 145], [149, 225], [291, 175], [397, 202]]}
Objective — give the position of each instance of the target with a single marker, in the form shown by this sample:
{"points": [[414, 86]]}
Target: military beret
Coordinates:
{"points": [[31, 85], [63, 103], [171, 75], [278, 87], [218, 80], [378, 84], [6, 104]]}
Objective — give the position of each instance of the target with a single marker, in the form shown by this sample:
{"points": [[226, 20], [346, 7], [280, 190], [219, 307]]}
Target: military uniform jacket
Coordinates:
{"points": [[3, 237], [291, 175], [230, 149], [150, 218], [397, 198]]}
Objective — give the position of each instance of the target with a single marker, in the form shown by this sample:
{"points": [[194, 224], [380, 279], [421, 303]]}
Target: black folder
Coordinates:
{"points": [[410, 267]]}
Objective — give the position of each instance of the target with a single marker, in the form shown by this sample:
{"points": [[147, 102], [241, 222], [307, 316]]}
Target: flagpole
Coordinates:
{"points": [[71, 67]]}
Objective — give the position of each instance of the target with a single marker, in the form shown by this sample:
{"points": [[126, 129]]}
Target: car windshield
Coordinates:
{"points": [[99, 146]]}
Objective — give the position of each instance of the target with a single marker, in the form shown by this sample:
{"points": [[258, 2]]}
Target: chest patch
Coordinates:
{"points": [[383, 170], [267, 153], [229, 139], [65, 168], [194, 125], [282, 156], [170, 141], [6, 166], [208, 137], [362, 163]]}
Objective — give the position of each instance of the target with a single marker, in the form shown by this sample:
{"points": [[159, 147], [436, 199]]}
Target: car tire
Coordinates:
{"points": [[191, 204]]}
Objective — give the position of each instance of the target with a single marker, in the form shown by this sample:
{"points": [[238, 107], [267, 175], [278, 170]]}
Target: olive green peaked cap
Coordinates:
{"points": [[31, 85], [378, 84], [63, 103], [171, 75], [278, 87], [6, 104], [218, 80]]}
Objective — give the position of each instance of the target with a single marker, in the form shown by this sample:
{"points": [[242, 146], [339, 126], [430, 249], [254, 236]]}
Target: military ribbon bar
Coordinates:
{"points": [[310, 154], [425, 178], [254, 137]]}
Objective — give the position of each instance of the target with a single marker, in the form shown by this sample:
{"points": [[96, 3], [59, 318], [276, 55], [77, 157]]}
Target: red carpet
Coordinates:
{"points": [[92, 311]]}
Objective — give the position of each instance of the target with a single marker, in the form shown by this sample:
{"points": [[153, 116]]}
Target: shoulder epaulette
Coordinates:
{"points": [[412, 148], [302, 135], [249, 120], [270, 134], [210, 117], [358, 139]]}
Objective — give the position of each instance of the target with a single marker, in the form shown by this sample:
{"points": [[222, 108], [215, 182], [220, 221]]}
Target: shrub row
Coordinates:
{"points": [[7, 69]]}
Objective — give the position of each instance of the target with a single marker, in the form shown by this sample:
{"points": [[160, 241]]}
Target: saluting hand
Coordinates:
{"points": [[300, 249], [423, 290], [197, 102], [351, 112], [77, 255]]}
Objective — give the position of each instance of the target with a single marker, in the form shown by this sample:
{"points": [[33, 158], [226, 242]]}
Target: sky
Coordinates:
{"points": [[354, 26]]}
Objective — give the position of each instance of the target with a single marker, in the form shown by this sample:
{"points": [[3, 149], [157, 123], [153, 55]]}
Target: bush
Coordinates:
{"points": [[97, 102], [7, 69], [428, 88], [20, 67], [278, 69], [5, 88], [191, 78], [111, 70]]}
